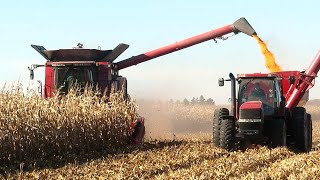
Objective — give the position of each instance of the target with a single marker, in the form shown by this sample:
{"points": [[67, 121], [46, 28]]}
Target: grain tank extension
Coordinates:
{"points": [[97, 67]]}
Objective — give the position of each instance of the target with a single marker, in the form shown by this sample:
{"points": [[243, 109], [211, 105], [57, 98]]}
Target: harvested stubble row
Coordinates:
{"points": [[32, 127], [191, 158]]}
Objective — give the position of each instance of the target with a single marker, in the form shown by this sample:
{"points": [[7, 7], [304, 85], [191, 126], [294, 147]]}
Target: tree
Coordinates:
{"points": [[185, 101], [197, 101], [210, 101], [202, 100], [193, 100]]}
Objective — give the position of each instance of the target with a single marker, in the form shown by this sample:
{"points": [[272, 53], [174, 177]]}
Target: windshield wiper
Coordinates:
{"points": [[246, 84]]}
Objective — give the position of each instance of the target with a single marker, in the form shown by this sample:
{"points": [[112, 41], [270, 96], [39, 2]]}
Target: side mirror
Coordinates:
{"points": [[31, 73], [33, 67], [221, 82], [292, 79]]}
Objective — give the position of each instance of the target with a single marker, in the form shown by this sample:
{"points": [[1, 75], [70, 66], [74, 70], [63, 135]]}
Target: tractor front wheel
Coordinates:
{"points": [[217, 118], [223, 130], [227, 134]]}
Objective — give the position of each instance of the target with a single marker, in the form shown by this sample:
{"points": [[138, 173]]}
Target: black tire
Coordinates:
{"points": [[309, 132], [227, 134], [302, 129], [217, 118], [278, 134]]}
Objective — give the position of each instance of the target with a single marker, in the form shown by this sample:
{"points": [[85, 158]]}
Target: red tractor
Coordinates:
{"points": [[97, 67], [268, 109]]}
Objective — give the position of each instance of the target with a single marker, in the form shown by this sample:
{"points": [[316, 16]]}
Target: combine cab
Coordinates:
{"points": [[83, 66], [97, 67], [267, 110]]}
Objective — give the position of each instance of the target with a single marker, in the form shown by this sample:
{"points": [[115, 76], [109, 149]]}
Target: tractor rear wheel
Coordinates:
{"points": [[278, 134], [217, 118], [223, 130], [302, 129]]}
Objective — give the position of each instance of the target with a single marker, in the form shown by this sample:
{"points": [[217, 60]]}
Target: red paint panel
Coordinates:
{"points": [[251, 105], [49, 82], [286, 90]]}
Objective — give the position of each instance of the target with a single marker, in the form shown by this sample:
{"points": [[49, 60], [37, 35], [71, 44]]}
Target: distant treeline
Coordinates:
{"points": [[195, 100]]}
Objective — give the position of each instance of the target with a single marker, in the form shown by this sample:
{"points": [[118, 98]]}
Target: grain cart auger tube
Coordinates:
{"points": [[97, 67], [241, 25], [267, 110]]}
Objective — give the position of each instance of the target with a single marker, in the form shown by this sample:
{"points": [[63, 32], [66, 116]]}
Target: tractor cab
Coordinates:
{"points": [[264, 89]]}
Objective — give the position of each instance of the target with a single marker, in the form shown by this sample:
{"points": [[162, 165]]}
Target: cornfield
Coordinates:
{"points": [[173, 152], [33, 128]]}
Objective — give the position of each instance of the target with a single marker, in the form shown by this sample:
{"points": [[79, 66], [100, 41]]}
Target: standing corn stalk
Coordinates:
{"points": [[32, 127]]}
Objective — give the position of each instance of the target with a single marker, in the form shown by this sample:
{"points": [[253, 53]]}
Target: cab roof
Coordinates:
{"points": [[259, 75]]}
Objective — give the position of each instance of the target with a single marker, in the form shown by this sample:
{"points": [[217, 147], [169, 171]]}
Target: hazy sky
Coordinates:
{"points": [[290, 28]]}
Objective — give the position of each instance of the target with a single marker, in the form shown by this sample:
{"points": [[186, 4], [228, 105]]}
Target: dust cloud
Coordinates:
{"points": [[165, 120]]}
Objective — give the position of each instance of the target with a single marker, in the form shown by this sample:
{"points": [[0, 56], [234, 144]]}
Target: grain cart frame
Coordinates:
{"points": [[97, 67], [274, 117]]}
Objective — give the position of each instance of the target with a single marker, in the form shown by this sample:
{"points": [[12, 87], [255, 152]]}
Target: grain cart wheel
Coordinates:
{"points": [[278, 134], [217, 118], [302, 129], [227, 134], [309, 131]]}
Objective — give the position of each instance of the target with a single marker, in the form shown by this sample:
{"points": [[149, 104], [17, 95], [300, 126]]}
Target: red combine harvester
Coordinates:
{"points": [[97, 67], [267, 110]]}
